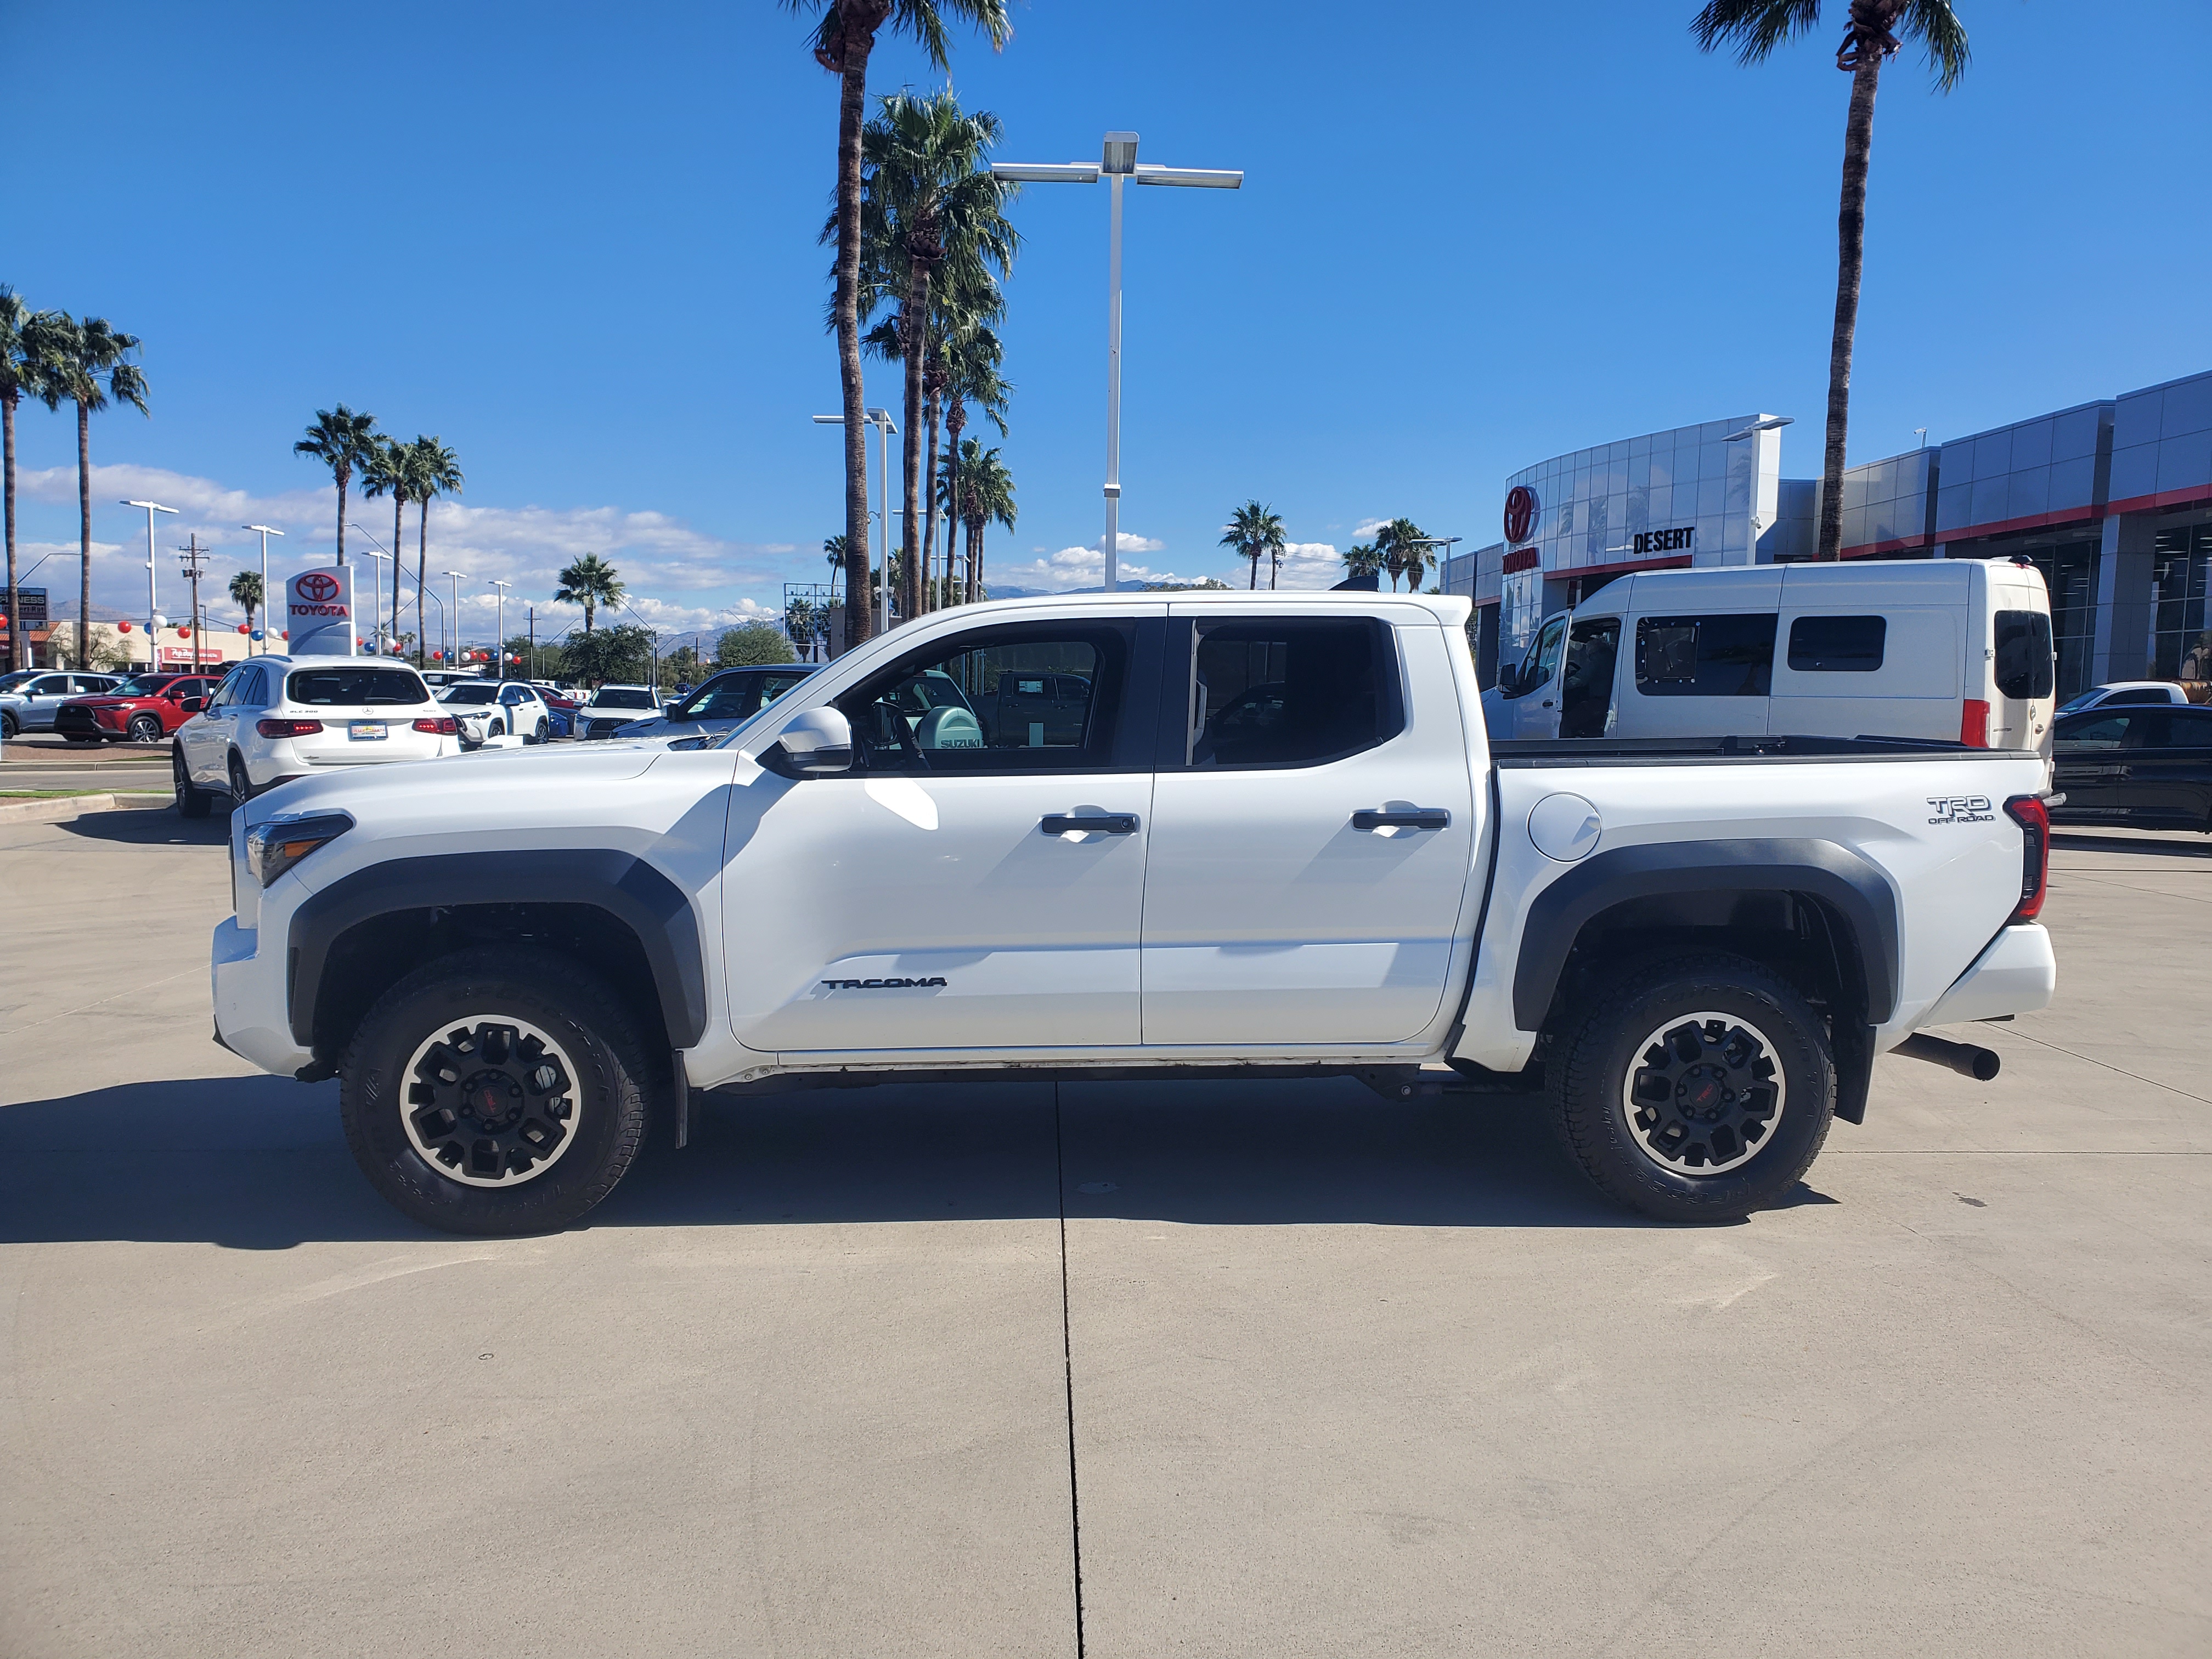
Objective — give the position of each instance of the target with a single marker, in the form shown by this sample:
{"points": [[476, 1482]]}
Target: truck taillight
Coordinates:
{"points": [[1974, 724], [445, 727], [2033, 818], [282, 728]]}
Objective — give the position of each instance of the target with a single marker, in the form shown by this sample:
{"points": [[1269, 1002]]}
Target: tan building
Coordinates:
{"points": [[120, 646]]}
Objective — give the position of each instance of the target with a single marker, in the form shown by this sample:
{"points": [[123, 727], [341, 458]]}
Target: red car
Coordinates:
{"points": [[143, 709]]}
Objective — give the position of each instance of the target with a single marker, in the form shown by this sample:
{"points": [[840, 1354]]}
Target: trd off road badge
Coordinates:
{"points": [[1961, 809], [881, 984]]}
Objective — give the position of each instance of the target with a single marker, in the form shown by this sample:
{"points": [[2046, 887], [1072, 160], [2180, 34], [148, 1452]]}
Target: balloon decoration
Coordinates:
{"points": [[123, 628], [258, 633], [243, 628], [3, 619], [184, 633]]}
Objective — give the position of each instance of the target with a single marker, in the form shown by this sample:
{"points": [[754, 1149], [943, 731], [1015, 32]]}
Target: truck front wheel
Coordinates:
{"points": [[1695, 1089], [496, 1092]]}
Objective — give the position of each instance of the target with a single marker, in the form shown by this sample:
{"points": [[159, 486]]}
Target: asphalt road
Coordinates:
{"points": [[1265, 1370]]}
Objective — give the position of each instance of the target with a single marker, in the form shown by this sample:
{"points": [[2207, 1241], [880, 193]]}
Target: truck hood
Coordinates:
{"points": [[452, 780]]}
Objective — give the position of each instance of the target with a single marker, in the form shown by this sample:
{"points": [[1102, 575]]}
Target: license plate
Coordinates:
{"points": [[366, 732]]}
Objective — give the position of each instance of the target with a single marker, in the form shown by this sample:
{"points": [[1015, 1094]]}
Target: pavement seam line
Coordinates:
{"points": [[182, 973], [1068, 1367], [2086, 1060]]}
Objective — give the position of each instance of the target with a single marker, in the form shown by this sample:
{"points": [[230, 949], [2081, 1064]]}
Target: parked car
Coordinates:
{"points": [[142, 709], [1957, 650], [721, 703], [611, 707], [2145, 766], [275, 718], [1686, 955], [30, 699], [561, 705], [493, 709], [2126, 692]]}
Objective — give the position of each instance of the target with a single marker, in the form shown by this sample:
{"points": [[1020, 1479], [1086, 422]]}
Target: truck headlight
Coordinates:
{"points": [[276, 845]]}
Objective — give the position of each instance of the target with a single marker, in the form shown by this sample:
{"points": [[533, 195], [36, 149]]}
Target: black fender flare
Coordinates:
{"points": [[636, 893], [1845, 881]]}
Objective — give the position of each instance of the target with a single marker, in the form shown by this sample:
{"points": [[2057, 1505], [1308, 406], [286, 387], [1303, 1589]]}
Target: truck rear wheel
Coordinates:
{"points": [[1695, 1089], [496, 1092]]}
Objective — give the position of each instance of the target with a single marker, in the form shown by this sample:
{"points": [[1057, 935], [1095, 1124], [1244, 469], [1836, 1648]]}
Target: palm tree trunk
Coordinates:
{"points": [[16, 649], [342, 493], [917, 307], [421, 559], [975, 556], [398, 528], [956, 422], [1255, 583], [84, 544], [858, 23], [929, 522], [1851, 258]]}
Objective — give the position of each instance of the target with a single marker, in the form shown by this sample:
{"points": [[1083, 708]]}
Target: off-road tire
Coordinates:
{"points": [[551, 992], [1595, 1054], [192, 801]]}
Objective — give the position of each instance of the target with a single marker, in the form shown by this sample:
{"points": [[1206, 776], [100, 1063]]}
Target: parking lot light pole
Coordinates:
{"points": [[456, 577], [153, 598], [266, 533], [881, 420], [1118, 163], [499, 651]]}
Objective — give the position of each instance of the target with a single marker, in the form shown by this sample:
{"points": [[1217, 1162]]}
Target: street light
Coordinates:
{"points": [[375, 599], [153, 598], [266, 533], [1118, 161], [1772, 424], [456, 576], [881, 420], [499, 651]]}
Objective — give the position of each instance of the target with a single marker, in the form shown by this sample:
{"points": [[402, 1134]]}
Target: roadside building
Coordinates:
{"points": [[2111, 500]]}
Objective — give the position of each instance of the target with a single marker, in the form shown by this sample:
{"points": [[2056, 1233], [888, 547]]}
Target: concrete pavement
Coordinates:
{"points": [[1304, 1373]]}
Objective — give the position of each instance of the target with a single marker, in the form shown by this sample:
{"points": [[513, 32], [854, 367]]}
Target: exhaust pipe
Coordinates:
{"points": [[1963, 1058]]}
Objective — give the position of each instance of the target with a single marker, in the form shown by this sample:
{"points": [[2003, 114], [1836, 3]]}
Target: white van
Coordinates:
{"points": [[1954, 649]]}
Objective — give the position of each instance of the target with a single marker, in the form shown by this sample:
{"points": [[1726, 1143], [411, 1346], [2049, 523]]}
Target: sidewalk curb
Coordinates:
{"points": [[60, 809]]}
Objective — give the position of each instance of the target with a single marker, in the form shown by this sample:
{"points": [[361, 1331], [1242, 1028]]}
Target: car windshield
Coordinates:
{"points": [[622, 697], [142, 686], [469, 694], [17, 681], [355, 688]]}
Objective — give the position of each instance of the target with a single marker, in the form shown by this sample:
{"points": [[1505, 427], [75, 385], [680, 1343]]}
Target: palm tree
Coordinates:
{"points": [[1363, 559], [987, 496], [342, 440], [1255, 533], [927, 202], [390, 470], [23, 339], [246, 593], [433, 469], [88, 364], [841, 43], [1405, 549], [590, 581], [972, 354], [1755, 28]]}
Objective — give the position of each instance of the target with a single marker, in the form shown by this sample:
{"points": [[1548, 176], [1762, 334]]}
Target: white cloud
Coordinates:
{"points": [[1081, 567], [1365, 529]]}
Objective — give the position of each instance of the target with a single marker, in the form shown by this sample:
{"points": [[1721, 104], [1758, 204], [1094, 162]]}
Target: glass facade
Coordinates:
{"points": [[2070, 573], [2181, 642]]}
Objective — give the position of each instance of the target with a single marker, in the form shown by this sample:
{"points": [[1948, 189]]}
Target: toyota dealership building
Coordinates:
{"points": [[2111, 500]]}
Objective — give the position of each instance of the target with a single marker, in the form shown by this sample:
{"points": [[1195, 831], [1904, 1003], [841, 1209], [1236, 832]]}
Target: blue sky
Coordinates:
{"points": [[577, 243]]}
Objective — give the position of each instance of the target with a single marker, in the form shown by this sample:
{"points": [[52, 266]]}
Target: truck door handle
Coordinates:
{"points": [[1068, 824], [1413, 817]]}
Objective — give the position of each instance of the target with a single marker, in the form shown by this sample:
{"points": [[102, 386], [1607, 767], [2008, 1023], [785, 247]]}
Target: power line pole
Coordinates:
{"points": [[194, 570]]}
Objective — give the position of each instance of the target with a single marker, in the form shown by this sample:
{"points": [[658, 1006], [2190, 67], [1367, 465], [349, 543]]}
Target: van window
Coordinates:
{"points": [[2024, 664], [1726, 656], [1837, 645]]}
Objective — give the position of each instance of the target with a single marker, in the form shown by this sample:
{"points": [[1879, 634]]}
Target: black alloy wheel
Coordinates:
{"points": [[241, 781], [192, 801], [9, 728]]}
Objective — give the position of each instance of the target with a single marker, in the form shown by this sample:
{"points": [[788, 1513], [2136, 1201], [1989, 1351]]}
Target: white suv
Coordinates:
{"points": [[275, 718], [493, 709]]}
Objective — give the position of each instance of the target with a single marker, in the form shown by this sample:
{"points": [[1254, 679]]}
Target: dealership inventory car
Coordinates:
{"points": [[2147, 766], [611, 707], [2120, 692], [723, 702], [494, 709], [275, 718], [1686, 954], [142, 709], [29, 699]]}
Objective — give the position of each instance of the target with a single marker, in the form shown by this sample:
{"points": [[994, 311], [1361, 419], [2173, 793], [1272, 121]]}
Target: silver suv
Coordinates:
{"points": [[28, 698]]}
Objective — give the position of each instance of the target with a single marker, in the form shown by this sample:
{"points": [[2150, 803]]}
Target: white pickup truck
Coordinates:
{"points": [[1131, 835]]}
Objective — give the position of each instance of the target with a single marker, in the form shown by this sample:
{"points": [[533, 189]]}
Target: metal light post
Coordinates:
{"points": [[1118, 162], [266, 533], [376, 605], [153, 598], [455, 576], [881, 420], [499, 651]]}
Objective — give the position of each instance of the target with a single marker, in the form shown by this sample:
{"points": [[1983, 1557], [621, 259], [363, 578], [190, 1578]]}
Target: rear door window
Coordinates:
{"points": [[1837, 645], [1283, 692], [2176, 728], [2024, 665], [1717, 656]]}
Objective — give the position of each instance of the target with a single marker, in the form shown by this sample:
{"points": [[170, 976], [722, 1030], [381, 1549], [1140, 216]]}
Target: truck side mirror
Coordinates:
{"points": [[818, 742]]}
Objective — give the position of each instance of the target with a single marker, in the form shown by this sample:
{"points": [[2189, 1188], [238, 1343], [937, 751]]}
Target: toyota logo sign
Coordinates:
{"points": [[1520, 513], [317, 588]]}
